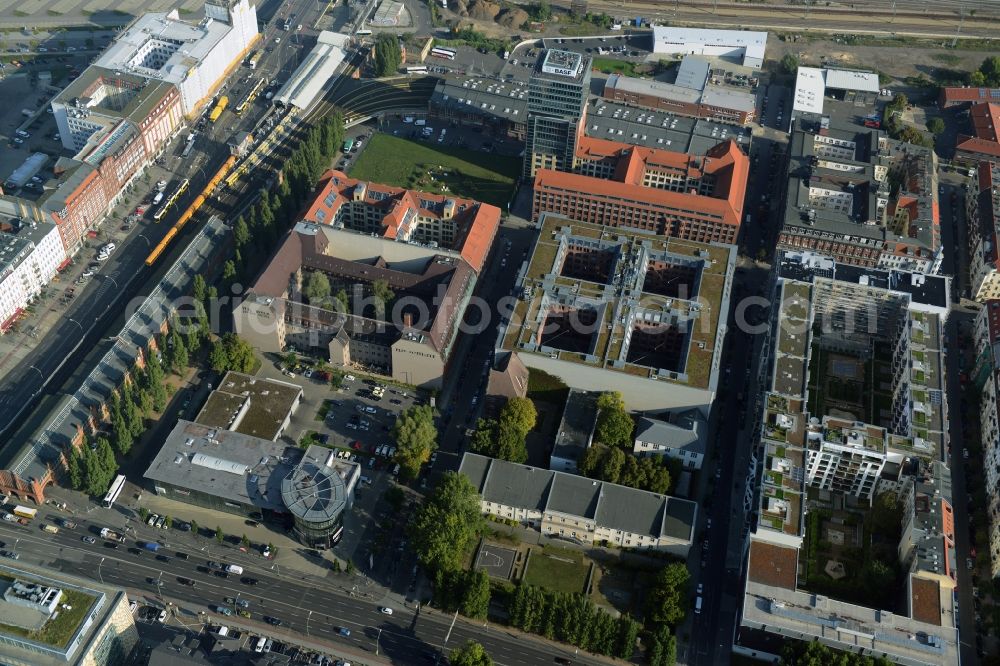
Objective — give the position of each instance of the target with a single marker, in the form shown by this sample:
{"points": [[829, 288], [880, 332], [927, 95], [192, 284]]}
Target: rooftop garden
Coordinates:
{"points": [[57, 632]]}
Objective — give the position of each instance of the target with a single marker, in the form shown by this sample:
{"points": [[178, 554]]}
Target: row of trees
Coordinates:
{"points": [[256, 233], [894, 125], [93, 467], [616, 466], [988, 74], [388, 56], [416, 439], [574, 619], [470, 654], [230, 352], [815, 653], [505, 437]]}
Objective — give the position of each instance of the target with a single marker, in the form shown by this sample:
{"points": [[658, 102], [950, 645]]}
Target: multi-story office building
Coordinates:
{"points": [[983, 214], [704, 101], [609, 309], [51, 618], [194, 57], [99, 100], [557, 102], [862, 198], [693, 197], [30, 256], [853, 407]]}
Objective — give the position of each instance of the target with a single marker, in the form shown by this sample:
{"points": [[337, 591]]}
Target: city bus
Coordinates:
{"points": [[116, 489], [416, 70], [363, 33], [447, 54]]}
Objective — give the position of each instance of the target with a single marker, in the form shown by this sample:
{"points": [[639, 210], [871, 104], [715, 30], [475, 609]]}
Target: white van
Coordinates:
{"points": [[420, 122], [697, 605], [234, 569], [259, 647]]}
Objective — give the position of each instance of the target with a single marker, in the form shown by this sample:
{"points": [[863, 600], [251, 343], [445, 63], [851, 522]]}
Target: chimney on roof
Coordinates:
{"points": [[448, 211], [408, 320]]}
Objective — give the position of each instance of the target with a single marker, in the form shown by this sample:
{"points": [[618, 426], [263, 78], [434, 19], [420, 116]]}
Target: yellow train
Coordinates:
{"points": [[191, 210]]}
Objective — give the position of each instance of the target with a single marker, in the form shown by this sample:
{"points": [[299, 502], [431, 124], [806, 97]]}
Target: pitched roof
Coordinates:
{"points": [[510, 380], [985, 117], [477, 222], [575, 496], [682, 435], [959, 95], [511, 484]]}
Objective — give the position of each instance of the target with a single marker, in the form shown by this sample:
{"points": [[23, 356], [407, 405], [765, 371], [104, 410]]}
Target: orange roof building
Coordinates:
{"points": [[692, 197], [466, 226], [984, 144], [957, 96]]}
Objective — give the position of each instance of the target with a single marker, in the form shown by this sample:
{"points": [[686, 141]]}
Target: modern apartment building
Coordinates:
{"points": [[610, 309], [861, 198], [193, 57], [987, 375], [557, 102], [853, 407], [691, 197], [395, 307], [30, 256], [983, 215], [406, 216]]}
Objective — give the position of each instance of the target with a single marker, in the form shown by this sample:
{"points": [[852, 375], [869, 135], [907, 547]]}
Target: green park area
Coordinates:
{"points": [[485, 177], [557, 569]]}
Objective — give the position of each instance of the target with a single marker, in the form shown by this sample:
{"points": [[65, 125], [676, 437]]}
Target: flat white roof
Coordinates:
{"points": [[188, 43], [845, 79], [725, 98], [318, 68], [753, 42], [810, 83], [693, 72]]}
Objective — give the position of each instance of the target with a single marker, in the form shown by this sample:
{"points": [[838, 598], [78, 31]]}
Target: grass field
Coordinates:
{"points": [[610, 65], [442, 169], [557, 569]]}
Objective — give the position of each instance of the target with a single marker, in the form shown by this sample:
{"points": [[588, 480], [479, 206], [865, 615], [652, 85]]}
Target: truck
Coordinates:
{"points": [[25, 512], [158, 198], [220, 106], [111, 535], [151, 546], [51, 529], [9, 517]]}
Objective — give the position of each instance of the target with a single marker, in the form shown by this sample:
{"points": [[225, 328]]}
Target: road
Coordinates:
{"points": [[312, 609]]}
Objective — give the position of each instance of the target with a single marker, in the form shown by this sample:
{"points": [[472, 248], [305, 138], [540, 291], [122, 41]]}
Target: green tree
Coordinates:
{"points": [[614, 425], [143, 514], [228, 271], [74, 472], [590, 461], [815, 653], [789, 63], [195, 529], [168, 522], [666, 601], [416, 439], [612, 466], [217, 357], [241, 233], [662, 648], [977, 79], [382, 293], [510, 443], [470, 654], [990, 69], [220, 536], [179, 354], [520, 413], [388, 55], [121, 435], [317, 288], [198, 288], [476, 600], [245, 541], [447, 523], [540, 11], [342, 300], [935, 126], [483, 440], [154, 375]]}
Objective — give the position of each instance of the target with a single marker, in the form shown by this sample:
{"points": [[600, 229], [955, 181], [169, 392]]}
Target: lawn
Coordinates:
{"points": [[557, 569], [442, 169], [610, 65], [57, 632]]}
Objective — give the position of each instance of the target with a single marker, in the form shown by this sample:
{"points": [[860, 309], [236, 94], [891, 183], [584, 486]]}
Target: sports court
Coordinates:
{"points": [[496, 561]]}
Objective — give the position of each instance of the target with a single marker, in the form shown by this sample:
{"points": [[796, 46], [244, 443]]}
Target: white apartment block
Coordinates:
{"points": [[29, 259]]}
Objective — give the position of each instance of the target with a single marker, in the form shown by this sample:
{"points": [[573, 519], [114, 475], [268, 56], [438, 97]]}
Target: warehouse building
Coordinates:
{"points": [[743, 45]]}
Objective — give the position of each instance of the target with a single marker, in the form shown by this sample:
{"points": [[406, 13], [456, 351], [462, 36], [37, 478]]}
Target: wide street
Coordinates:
{"points": [[313, 607]]}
